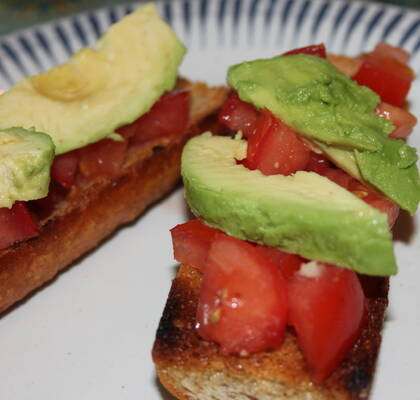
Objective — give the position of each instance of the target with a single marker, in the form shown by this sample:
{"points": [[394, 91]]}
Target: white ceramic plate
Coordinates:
{"points": [[88, 334]]}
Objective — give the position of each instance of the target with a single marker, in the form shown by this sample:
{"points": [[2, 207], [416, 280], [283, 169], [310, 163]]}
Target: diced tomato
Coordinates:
{"points": [[237, 115], [243, 301], [264, 124], [339, 177], [327, 313], [376, 200], [314, 50], [275, 148], [168, 117], [287, 263], [64, 167], [403, 121], [386, 50], [386, 76], [16, 225], [318, 163], [191, 242], [103, 158]]}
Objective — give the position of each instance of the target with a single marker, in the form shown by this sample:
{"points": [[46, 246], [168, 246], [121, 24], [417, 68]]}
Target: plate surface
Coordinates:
{"points": [[88, 335]]}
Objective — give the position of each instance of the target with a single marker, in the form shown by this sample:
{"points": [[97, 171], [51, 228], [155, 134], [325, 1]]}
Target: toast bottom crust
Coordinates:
{"points": [[194, 369]]}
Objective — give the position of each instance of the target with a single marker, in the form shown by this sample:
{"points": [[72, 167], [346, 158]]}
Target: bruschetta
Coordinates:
{"points": [[284, 274], [113, 121]]}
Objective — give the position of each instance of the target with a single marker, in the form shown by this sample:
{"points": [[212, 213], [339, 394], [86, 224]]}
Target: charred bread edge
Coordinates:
{"points": [[192, 368], [95, 215]]}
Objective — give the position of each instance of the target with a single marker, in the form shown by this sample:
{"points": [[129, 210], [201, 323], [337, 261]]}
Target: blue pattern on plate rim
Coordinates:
{"points": [[280, 24]]}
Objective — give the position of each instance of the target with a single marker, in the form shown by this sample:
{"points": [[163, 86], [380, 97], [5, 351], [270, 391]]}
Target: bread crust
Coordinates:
{"points": [[92, 213], [194, 369]]}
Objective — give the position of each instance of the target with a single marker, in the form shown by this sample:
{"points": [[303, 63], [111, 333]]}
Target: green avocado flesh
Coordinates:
{"points": [[25, 167], [309, 94], [304, 213], [100, 88]]}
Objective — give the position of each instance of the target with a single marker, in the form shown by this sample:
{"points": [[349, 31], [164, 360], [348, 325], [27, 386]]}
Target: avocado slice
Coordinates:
{"points": [[393, 175], [309, 94], [25, 168], [304, 213], [100, 88]]}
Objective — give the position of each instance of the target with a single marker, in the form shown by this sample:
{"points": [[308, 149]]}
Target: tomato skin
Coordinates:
{"points": [[237, 115], [191, 242], [103, 158], [403, 121], [16, 225], [313, 50], [64, 168], [168, 117], [275, 148], [387, 77], [327, 313], [243, 300], [287, 263]]}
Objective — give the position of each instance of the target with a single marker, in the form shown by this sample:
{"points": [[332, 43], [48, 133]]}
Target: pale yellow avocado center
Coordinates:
{"points": [[86, 73]]}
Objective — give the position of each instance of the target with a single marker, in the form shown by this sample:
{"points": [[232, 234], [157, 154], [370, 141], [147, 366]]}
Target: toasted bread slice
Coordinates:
{"points": [[194, 369], [93, 210]]}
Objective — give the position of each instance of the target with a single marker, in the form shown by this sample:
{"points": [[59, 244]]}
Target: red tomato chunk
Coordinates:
{"points": [[16, 225], [191, 242], [237, 115], [168, 117], [103, 158], [327, 312], [318, 163], [275, 148], [387, 77], [339, 177], [403, 121], [243, 299], [313, 50], [64, 168], [287, 263]]}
